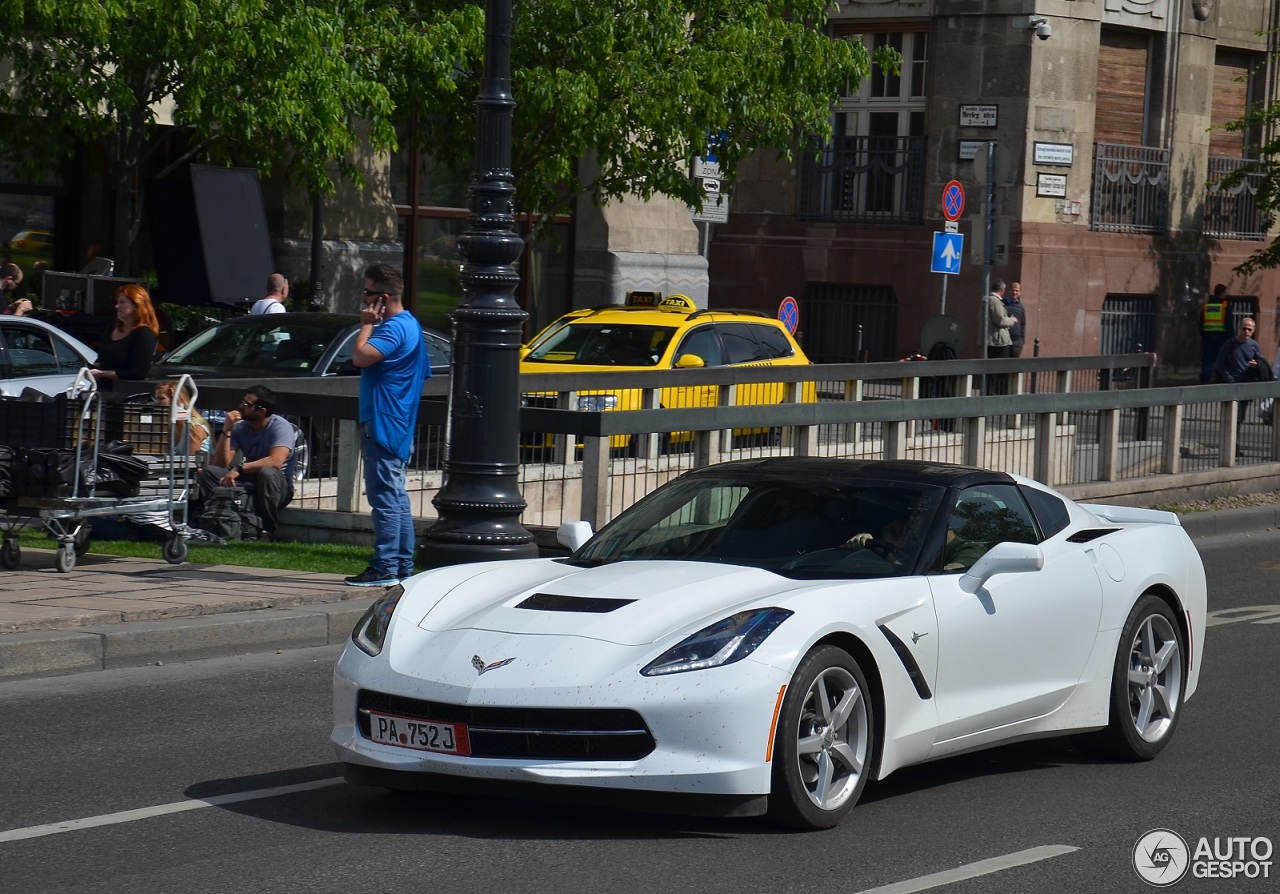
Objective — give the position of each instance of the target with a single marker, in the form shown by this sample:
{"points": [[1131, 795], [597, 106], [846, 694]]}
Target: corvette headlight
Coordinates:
{"points": [[371, 629], [724, 642], [594, 403]]}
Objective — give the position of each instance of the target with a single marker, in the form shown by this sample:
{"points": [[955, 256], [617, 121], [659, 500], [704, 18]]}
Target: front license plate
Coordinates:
{"points": [[421, 735]]}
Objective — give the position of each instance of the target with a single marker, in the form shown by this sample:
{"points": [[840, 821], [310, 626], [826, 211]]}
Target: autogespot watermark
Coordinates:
{"points": [[1162, 857]]}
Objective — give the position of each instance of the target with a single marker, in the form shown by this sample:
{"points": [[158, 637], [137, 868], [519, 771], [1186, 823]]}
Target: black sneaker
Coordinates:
{"points": [[405, 574], [372, 577]]}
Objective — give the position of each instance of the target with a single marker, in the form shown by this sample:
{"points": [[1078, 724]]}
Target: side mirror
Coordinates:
{"points": [[690, 361], [1003, 558], [573, 534]]}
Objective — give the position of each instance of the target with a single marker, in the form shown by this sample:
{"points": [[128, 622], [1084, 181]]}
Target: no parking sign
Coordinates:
{"points": [[789, 314]]}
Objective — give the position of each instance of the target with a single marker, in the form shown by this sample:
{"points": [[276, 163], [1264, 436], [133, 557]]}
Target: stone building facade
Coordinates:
{"points": [[1106, 120]]}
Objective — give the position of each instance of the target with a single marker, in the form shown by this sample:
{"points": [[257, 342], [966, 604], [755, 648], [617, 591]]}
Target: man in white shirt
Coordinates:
{"points": [[277, 295]]}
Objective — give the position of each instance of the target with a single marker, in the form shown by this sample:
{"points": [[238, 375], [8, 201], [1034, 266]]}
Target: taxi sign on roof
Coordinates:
{"points": [[682, 303]]}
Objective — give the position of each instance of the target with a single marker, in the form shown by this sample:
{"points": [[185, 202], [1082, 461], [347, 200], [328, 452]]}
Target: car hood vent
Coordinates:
{"points": [[1090, 534], [550, 602]]}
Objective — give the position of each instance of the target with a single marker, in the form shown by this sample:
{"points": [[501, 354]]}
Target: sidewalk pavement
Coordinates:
{"points": [[110, 612]]}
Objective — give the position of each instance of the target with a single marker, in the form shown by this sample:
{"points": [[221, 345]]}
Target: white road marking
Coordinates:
{"points": [[129, 816], [973, 870]]}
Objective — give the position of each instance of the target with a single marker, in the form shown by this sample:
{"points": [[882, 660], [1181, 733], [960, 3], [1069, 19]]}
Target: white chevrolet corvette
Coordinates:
{"points": [[765, 636]]}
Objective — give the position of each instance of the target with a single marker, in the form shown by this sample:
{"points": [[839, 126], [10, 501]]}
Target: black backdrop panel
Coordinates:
{"points": [[209, 232]]}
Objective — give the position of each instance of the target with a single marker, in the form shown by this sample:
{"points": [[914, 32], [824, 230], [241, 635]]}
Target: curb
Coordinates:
{"points": [[1245, 520], [141, 643]]}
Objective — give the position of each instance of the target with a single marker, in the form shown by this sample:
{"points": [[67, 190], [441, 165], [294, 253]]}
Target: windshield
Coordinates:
{"points": [[794, 527], [603, 344], [285, 345]]}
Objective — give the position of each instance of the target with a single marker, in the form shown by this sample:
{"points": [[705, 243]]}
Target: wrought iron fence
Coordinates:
{"points": [[865, 180], [1130, 189], [1231, 210]]}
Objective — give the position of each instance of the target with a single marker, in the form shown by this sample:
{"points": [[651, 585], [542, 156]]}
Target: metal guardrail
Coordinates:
{"points": [[1071, 422]]}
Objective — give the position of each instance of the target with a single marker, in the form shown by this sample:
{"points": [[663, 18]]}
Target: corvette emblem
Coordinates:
{"points": [[915, 637], [478, 663]]}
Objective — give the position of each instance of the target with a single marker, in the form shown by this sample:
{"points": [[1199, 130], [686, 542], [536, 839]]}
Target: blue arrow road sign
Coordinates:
{"points": [[947, 249]]}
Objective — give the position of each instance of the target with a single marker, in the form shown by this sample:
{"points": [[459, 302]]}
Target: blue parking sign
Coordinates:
{"points": [[947, 250]]}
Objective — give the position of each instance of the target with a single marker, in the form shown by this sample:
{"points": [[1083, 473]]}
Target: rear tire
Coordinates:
{"points": [[824, 742], [1148, 680]]}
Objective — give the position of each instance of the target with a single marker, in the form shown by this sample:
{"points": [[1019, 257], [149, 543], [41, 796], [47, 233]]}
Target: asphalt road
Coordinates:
{"points": [[166, 779]]}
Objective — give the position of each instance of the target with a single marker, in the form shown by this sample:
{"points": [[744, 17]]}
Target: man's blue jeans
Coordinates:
{"points": [[384, 487]]}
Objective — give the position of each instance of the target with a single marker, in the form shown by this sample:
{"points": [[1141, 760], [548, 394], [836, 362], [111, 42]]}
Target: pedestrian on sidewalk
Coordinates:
{"points": [[254, 451], [1213, 331], [1014, 307], [274, 301], [127, 349], [998, 340], [1240, 360], [392, 358], [16, 301]]}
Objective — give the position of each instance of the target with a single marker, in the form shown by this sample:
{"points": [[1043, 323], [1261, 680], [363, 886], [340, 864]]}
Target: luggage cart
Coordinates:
{"points": [[164, 489]]}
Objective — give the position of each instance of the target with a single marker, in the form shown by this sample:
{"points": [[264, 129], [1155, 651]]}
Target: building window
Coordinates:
{"points": [[849, 323], [873, 171], [1128, 324]]}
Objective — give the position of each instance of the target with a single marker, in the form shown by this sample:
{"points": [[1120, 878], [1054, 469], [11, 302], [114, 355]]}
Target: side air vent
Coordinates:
{"points": [[1090, 534], [908, 661], [550, 602]]}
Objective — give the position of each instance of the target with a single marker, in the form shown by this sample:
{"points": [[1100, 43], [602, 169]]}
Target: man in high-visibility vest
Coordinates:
{"points": [[1213, 330]]}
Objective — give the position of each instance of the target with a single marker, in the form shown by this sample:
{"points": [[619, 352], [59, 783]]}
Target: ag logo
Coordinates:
{"points": [[1161, 857]]}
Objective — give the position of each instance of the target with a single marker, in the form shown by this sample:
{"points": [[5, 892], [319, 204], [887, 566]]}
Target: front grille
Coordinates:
{"points": [[527, 733]]}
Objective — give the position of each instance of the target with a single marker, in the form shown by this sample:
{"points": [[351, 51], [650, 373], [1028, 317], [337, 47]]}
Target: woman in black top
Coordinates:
{"points": [[126, 350]]}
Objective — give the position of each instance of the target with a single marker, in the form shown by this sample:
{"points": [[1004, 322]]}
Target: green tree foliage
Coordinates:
{"points": [[279, 84], [635, 87], [1261, 173]]}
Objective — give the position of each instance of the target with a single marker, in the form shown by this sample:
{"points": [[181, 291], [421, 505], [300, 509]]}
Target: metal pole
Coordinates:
{"points": [[316, 301], [480, 504], [943, 311]]}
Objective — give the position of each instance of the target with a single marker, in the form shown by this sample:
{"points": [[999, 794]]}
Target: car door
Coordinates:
{"points": [[37, 358], [702, 342], [1016, 648]]}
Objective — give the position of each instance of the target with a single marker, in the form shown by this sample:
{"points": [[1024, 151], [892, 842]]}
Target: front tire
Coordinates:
{"points": [[1147, 683], [824, 742]]}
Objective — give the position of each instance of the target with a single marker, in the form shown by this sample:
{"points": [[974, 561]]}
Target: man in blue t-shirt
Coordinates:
{"points": [[392, 357]]}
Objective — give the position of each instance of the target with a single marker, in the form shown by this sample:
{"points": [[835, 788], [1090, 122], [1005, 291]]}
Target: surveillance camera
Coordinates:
{"points": [[1044, 31]]}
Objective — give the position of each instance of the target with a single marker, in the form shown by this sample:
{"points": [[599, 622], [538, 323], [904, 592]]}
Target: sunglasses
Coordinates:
{"points": [[369, 293], [248, 405]]}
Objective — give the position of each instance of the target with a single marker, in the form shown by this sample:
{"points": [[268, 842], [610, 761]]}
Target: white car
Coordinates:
{"points": [[767, 635], [34, 354]]}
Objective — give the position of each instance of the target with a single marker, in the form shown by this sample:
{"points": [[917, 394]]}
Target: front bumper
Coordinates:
{"points": [[710, 729]]}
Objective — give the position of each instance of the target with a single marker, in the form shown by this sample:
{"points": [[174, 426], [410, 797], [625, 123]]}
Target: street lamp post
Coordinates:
{"points": [[480, 504]]}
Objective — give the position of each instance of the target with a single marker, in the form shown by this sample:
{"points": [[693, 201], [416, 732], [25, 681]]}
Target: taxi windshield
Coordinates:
{"points": [[603, 344]]}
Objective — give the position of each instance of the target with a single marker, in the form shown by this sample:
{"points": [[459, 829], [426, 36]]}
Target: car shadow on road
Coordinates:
{"points": [[1021, 757], [363, 810]]}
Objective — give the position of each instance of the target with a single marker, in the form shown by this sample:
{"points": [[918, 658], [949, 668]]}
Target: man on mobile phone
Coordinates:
{"points": [[392, 357], [15, 302]]}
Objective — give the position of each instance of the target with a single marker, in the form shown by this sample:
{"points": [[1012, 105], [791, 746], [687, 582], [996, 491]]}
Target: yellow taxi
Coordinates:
{"points": [[652, 332]]}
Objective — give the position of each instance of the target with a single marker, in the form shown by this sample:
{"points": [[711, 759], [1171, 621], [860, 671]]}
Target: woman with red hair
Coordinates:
{"points": [[126, 350]]}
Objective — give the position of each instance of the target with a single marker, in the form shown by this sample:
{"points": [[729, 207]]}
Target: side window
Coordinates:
{"points": [[773, 343], [739, 344], [983, 516], [31, 353], [703, 343], [68, 359], [1049, 511]]}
